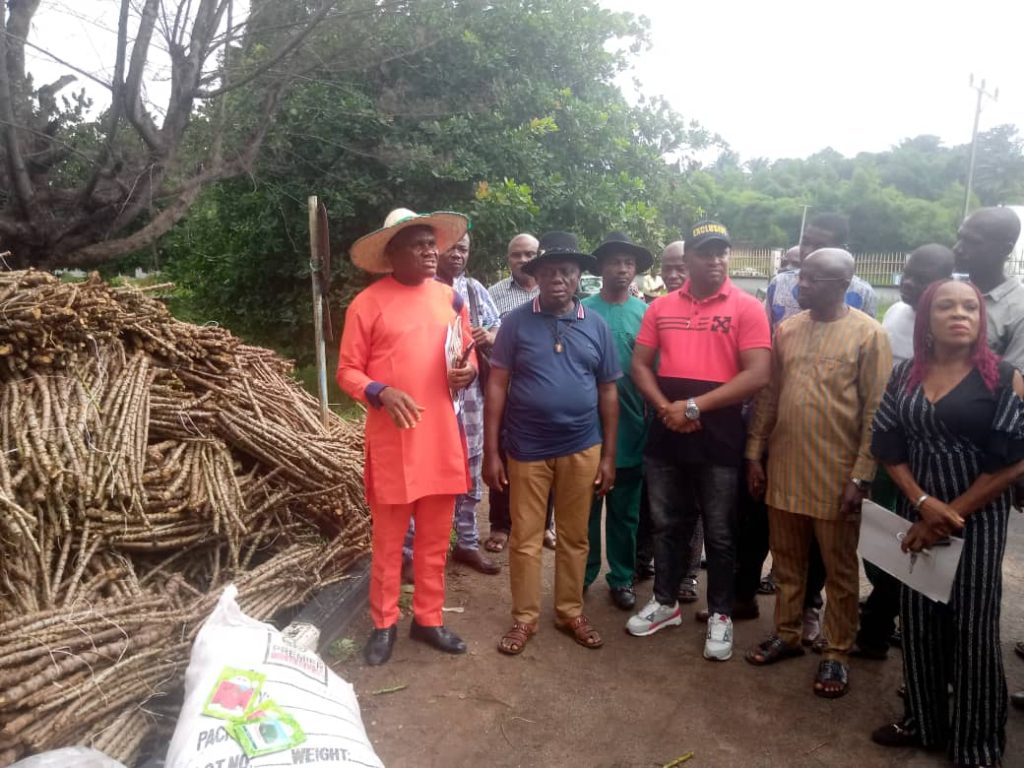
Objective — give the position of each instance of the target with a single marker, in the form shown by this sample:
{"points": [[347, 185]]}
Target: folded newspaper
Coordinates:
{"points": [[453, 356]]}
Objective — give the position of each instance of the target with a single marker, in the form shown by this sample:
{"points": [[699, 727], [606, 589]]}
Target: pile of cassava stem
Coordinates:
{"points": [[145, 463]]}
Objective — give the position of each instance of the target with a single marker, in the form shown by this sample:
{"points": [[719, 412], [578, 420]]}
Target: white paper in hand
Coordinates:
{"points": [[931, 573]]}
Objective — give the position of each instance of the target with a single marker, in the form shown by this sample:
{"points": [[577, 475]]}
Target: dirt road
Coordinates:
{"points": [[636, 701]]}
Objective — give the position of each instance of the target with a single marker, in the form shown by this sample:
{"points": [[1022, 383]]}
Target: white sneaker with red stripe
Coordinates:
{"points": [[654, 616], [718, 643]]}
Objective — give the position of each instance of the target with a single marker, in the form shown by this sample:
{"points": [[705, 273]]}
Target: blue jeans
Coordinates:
{"points": [[679, 493]]}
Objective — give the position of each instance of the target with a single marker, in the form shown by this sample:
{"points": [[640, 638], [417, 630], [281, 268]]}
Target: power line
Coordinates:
{"points": [[982, 93]]}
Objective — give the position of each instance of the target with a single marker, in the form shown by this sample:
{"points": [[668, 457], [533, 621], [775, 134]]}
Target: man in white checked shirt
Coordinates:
{"points": [[519, 287]]}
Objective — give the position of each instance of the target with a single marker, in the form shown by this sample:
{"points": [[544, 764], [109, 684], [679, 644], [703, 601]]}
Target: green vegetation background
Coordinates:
{"points": [[508, 111]]}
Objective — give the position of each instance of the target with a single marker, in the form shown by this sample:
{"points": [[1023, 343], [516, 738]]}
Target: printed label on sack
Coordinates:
{"points": [[233, 692], [283, 655], [267, 729]]}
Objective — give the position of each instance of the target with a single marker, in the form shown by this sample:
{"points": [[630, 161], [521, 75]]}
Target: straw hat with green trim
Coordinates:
{"points": [[368, 251]]}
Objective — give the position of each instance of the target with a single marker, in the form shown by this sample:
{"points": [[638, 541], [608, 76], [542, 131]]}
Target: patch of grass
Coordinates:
{"points": [[340, 403], [405, 598], [343, 649]]}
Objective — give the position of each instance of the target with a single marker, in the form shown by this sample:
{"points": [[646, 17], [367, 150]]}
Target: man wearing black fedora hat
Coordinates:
{"points": [[553, 374], [619, 260]]}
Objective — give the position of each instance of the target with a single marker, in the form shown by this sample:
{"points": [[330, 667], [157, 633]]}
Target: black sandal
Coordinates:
{"points": [[831, 671], [772, 650], [898, 735]]}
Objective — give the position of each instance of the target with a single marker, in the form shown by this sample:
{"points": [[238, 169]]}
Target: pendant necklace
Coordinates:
{"points": [[558, 335]]}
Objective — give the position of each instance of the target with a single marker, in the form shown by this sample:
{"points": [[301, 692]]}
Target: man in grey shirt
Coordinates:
{"points": [[984, 242]]}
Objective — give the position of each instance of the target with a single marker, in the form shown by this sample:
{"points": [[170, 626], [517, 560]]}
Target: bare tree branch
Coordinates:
{"points": [[181, 199], [186, 68], [14, 228], [46, 93], [16, 169], [116, 102], [180, 22], [217, 146], [18, 25], [142, 122], [274, 60], [99, 253], [52, 139], [50, 54], [76, 190]]}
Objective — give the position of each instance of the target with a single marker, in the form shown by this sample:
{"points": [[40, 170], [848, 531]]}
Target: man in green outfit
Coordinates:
{"points": [[619, 261]]}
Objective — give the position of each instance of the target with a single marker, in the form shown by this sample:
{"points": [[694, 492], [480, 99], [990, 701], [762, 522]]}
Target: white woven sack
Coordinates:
{"points": [[324, 705]]}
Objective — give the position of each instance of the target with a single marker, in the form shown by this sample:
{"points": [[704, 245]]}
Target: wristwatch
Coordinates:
{"points": [[862, 485], [692, 412]]}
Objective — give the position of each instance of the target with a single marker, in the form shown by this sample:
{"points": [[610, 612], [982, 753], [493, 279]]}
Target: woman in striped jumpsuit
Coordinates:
{"points": [[950, 431]]}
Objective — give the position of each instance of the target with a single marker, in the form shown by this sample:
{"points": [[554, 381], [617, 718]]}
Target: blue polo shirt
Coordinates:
{"points": [[552, 398]]}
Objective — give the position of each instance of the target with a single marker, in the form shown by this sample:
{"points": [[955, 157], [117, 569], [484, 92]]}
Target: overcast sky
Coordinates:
{"points": [[790, 77], [776, 79]]}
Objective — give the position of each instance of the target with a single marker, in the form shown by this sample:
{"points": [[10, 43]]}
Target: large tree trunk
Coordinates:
{"points": [[79, 193]]}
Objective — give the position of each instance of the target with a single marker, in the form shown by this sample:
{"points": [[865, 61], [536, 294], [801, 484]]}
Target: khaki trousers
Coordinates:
{"points": [[571, 478], [790, 535]]}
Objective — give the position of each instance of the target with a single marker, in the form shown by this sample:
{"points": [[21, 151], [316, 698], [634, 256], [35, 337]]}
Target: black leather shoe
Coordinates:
{"points": [[896, 735], [624, 597], [441, 638], [1017, 699], [378, 647]]}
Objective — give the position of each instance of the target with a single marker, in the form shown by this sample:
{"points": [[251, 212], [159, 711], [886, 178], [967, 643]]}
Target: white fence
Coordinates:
{"points": [[880, 269]]}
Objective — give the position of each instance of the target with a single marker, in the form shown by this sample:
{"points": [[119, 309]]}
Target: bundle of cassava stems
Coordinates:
{"points": [[144, 464]]}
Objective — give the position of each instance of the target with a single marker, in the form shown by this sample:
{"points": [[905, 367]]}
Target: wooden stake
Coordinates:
{"points": [[315, 247]]}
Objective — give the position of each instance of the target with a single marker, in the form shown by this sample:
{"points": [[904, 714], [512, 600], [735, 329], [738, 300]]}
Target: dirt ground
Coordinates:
{"points": [[636, 701]]}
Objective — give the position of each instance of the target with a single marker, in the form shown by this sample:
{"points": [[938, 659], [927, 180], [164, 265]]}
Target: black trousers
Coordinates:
{"points": [[644, 532], [751, 544], [959, 644], [878, 613]]}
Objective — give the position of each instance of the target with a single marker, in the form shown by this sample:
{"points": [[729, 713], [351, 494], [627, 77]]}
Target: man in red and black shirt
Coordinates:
{"points": [[713, 347]]}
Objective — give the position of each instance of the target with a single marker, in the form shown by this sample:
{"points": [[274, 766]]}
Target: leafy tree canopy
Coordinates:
{"points": [[506, 110]]}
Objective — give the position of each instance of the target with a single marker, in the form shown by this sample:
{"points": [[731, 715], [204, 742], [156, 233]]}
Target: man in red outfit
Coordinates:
{"points": [[393, 358]]}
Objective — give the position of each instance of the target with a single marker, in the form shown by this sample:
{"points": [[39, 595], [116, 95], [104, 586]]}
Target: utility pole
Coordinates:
{"points": [[980, 88]]}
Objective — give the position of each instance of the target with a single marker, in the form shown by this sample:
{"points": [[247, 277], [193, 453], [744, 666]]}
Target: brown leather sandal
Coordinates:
{"points": [[514, 641], [582, 632]]}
